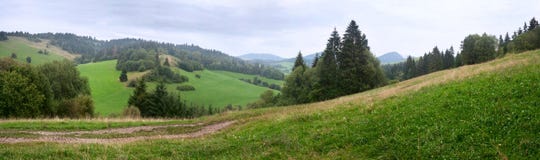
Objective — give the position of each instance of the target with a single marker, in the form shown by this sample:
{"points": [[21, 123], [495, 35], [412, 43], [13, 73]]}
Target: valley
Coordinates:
{"points": [[269, 80], [424, 116]]}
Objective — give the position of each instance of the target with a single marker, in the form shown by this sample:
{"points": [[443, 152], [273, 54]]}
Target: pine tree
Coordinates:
{"points": [[533, 24], [166, 63], [449, 59], [507, 38], [139, 96], [157, 102], [327, 68], [123, 76], [359, 69], [410, 68], [349, 61], [299, 62], [315, 61], [525, 28], [3, 36], [435, 60]]}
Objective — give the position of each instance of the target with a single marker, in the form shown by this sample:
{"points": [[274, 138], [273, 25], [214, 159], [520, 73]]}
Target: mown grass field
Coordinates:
{"points": [[24, 49], [485, 111], [216, 88], [108, 93]]}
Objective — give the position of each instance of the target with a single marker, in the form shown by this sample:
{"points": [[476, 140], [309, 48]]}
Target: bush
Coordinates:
{"points": [[131, 112], [132, 83], [78, 107], [165, 74], [185, 88]]}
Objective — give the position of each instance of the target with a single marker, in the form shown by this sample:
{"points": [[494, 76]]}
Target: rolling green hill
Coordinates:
{"points": [[108, 93], [483, 111], [216, 88], [23, 48]]}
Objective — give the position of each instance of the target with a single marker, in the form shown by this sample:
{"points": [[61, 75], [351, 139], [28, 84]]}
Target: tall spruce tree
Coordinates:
{"points": [[410, 68], [139, 96], [327, 68], [359, 69], [533, 24], [294, 90], [315, 61]]}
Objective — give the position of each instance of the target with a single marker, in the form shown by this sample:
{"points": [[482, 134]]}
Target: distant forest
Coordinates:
{"points": [[137, 54]]}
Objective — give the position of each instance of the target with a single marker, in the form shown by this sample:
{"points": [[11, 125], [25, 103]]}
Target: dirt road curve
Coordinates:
{"points": [[57, 136]]}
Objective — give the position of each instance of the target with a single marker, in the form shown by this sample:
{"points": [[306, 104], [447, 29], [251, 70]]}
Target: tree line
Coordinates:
{"points": [[191, 57], [50, 90], [164, 104], [474, 49]]}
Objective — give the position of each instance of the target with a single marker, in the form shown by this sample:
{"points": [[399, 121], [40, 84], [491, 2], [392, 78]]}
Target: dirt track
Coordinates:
{"points": [[59, 138]]}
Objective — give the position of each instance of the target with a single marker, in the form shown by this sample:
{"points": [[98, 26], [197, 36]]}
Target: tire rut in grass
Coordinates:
{"points": [[59, 137]]}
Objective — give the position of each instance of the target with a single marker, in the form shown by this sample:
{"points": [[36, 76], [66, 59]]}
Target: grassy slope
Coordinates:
{"points": [[23, 49], [481, 111], [109, 95], [217, 88], [246, 76]]}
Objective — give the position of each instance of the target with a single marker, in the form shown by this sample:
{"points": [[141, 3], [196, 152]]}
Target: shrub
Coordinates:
{"points": [[131, 112], [185, 88], [78, 107]]}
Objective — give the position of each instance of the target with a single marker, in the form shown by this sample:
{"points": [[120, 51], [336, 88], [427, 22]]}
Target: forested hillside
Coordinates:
{"points": [[192, 57]]}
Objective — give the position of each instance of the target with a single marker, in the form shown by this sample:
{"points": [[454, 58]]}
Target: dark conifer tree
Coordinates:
{"points": [[410, 68], [166, 63], [327, 68], [533, 24], [315, 61], [299, 62], [123, 76], [449, 59], [3, 36], [139, 96]]}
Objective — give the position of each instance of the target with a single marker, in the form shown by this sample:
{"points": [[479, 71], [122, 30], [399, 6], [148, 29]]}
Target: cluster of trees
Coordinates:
{"points": [[432, 61], [185, 87], [474, 49], [266, 99], [161, 103], [165, 74], [524, 39], [346, 66], [258, 82], [191, 57], [45, 52], [3, 36], [136, 60], [53, 89]]}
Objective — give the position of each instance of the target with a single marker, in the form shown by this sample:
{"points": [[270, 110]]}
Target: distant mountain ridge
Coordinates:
{"points": [[391, 57], [261, 57], [285, 64]]}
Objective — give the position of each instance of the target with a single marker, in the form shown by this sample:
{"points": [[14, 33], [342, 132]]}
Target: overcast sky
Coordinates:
{"points": [[281, 27]]}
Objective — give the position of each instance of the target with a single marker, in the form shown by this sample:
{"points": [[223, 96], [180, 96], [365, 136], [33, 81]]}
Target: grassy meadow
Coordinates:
{"points": [[483, 111], [23, 48], [216, 88], [108, 93]]}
